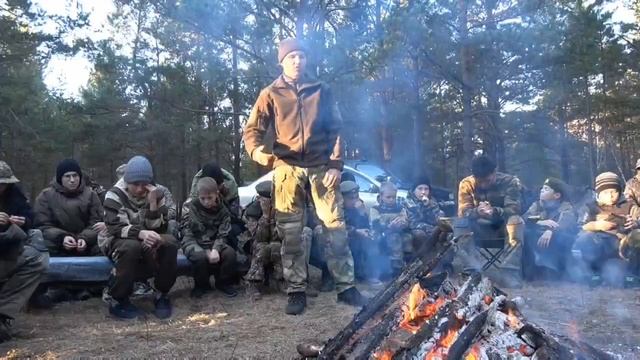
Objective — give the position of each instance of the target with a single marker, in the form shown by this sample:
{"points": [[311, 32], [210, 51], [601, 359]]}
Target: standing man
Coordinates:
{"points": [[307, 151]]}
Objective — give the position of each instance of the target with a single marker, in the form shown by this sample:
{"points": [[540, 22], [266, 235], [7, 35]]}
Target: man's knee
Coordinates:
{"points": [[127, 250], [228, 255], [292, 236], [35, 260]]}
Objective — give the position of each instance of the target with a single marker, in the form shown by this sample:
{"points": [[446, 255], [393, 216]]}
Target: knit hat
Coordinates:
{"points": [[65, 166], [558, 186], [607, 180], [264, 189], [349, 187], [421, 180], [138, 170], [288, 45], [207, 185], [6, 174], [214, 171]]}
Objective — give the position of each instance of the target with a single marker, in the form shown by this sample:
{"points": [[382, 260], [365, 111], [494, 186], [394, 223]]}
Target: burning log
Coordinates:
{"points": [[465, 339], [419, 268], [433, 317]]}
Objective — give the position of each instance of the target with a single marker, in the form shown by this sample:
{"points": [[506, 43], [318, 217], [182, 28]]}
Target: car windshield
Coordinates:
{"points": [[380, 174]]}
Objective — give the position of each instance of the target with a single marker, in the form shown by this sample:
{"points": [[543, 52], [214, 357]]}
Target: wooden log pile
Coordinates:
{"points": [[428, 316]]}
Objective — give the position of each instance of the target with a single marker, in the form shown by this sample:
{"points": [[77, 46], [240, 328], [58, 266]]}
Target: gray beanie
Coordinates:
{"points": [[138, 170]]}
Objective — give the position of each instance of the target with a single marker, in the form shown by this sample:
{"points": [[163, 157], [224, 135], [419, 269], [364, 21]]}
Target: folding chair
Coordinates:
{"points": [[494, 249]]}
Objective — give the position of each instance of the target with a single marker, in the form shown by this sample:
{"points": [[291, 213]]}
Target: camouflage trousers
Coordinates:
{"points": [[290, 183], [267, 256]]}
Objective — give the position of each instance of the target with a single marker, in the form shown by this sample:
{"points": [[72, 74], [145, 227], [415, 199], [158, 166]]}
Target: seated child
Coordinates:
{"points": [[205, 227], [549, 233], [364, 250], [390, 225], [609, 229]]}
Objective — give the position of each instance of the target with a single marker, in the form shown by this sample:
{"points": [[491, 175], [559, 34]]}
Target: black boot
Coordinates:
{"points": [[296, 304], [352, 297]]}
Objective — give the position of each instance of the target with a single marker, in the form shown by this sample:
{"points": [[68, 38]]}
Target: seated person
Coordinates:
{"points": [[549, 233], [137, 240], [170, 208], [356, 216], [609, 229], [22, 264], [69, 214], [265, 254], [205, 228], [227, 186], [423, 212], [390, 225], [491, 202]]}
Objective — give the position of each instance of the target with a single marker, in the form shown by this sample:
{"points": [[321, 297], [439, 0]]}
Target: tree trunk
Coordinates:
{"points": [[465, 61], [236, 104]]}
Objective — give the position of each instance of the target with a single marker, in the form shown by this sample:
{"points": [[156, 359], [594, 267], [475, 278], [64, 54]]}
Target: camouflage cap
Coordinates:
{"points": [[6, 174], [347, 187]]}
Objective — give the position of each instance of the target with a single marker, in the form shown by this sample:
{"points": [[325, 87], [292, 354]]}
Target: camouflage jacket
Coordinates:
{"points": [[381, 215], [504, 196], [422, 215], [126, 216], [563, 214], [356, 219], [208, 228], [632, 191], [617, 213], [261, 227], [230, 198]]}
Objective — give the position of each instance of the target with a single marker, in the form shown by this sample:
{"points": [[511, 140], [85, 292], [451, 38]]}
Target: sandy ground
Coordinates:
{"points": [[222, 328]]}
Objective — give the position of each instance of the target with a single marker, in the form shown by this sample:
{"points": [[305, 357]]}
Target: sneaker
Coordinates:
{"points": [[595, 281], [631, 282], [296, 304], [352, 297], [227, 290], [163, 307], [124, 310], [106, 296], [198, 292], [41, 302], [141, 289], [82, 295]]}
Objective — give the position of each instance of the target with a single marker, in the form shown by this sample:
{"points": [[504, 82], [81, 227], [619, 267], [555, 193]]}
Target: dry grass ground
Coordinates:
{"points": [[220, 328]]}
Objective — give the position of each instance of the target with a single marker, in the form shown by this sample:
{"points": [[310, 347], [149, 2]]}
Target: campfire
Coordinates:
{"points": [[436, 317]]}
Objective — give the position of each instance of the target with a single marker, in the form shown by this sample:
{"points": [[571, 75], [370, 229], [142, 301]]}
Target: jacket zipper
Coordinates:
{"points": [[301, 123]]}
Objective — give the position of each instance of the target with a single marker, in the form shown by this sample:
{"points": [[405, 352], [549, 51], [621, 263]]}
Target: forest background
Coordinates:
{"points": [[547, 88]]}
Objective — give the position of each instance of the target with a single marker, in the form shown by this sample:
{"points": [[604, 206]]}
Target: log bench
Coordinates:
{"points": [[91, 269]]}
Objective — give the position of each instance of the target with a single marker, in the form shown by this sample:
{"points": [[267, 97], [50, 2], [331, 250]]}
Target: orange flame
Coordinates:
{"points": [[384, 355], [474, 354], [441, 349], [414, 315]]}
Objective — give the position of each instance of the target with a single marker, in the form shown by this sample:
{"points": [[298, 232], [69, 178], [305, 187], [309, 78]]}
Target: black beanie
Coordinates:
{"points": [[421, 180], [214, 171], [65, 166], [558, 186]]}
